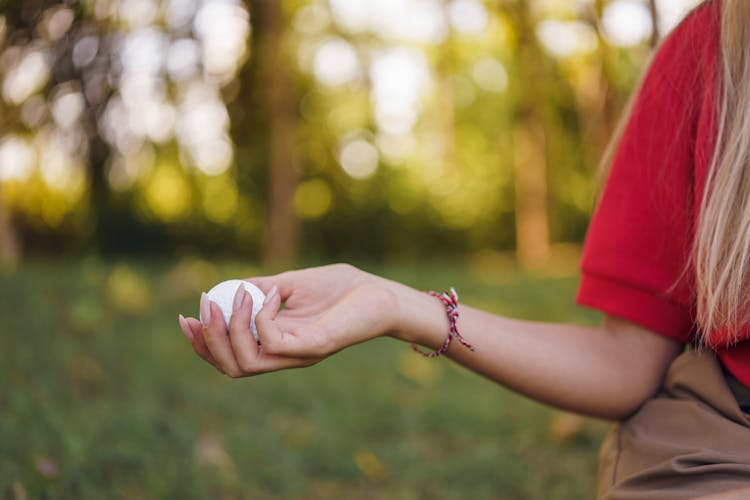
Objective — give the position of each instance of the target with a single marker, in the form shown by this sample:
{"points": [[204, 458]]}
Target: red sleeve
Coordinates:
{"points": [[639, 239]]}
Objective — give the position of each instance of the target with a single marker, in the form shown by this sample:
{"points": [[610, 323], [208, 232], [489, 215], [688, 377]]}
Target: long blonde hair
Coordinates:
{"points": [[721, 248]]}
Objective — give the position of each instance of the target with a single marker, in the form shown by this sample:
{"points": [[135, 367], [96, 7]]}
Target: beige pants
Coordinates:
{"points": [[689, 440]]}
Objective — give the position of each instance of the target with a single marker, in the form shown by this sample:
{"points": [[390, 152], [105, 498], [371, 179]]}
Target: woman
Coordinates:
{"points": [[667, 259]]}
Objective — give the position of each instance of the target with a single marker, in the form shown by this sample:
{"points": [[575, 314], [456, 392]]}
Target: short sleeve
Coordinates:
{"points": [[635, 258]]}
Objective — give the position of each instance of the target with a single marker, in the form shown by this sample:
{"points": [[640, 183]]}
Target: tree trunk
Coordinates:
{"points": [[281, 231], [530, 161], [532, 224], [99, 193], [654, 23]]}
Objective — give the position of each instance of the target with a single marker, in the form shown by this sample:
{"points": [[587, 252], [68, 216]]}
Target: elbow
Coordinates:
{"points": [[623, 409], [637, 364], [612, 398], [625, 398]]}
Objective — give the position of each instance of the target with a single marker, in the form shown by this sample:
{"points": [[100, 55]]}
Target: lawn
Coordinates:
{"points": [[101, 397]]}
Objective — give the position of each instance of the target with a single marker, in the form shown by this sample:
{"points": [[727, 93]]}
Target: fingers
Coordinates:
{"points": [[284, 283], [303, 344], [185, 328], [241, 338], [237, 354], [267, 328], [215, 336], [191, 327], [250, 356]]}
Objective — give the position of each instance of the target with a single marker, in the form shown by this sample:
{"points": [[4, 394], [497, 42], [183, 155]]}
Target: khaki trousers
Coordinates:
{"points": [[692, 439]]}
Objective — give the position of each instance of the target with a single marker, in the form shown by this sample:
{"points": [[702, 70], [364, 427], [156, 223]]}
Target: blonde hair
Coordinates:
{"points": [[721, 248]]}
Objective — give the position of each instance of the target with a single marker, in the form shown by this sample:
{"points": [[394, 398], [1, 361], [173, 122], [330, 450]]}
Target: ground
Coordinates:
{"points": [[101, 397]]}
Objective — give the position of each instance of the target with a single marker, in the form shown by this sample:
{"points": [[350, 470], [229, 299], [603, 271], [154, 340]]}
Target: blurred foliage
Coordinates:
{"points": [[102, 397], [380, 129]]}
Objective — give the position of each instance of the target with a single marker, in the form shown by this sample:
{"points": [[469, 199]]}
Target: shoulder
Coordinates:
{"points": [[692, 46], [683, 71]]}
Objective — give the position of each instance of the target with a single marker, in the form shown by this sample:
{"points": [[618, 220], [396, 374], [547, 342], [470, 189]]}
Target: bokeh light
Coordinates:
{"points": [[167, 193], [27, 75], [400, 77], [312, 199], [397, 107], [17, 158], [467, 16], [358, 158], [490, 74], [566, 38], [336, 63], [626, 22]]}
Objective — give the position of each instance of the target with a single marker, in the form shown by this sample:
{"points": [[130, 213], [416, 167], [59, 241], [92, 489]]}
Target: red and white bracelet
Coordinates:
{"points": [[450, 301]]}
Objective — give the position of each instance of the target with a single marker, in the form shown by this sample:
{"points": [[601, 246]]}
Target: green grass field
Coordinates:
{"points": [[101, 397]]}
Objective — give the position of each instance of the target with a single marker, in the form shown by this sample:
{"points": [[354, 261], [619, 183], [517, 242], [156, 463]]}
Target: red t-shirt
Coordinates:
{"points": [[641, 233]]}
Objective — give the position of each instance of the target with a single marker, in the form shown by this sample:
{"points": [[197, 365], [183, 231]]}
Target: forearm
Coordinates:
{"points": [[605, 371]]}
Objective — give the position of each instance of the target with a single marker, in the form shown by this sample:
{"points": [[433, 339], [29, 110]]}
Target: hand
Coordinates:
{"points": [[325, 310]]}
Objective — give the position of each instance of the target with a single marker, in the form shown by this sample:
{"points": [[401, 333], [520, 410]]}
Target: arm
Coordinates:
{"points": [[606, 371]]}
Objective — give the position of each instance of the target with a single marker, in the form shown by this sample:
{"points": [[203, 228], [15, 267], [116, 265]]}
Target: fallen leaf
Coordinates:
{"points": [[370, 465], [47, 467], [210, 451], [565, 427], [17, 491]]}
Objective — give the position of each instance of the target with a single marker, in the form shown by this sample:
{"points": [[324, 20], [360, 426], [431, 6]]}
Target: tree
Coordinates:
{"points": [[530, 161], [274, 99], [56, 31]]}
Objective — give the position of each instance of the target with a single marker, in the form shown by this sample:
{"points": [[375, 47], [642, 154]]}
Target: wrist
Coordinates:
{"points": [[417, 317]]}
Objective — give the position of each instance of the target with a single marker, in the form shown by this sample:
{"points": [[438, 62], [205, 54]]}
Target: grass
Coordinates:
{"points": [[101, 397]]}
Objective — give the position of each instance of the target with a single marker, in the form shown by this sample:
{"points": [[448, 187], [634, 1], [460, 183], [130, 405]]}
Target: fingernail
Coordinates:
{"points": [[246, 299], [238, 298], [270, 295], [185, 328], [205, 309]]}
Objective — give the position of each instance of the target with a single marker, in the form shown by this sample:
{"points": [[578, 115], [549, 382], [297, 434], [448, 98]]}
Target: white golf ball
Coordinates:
{"points": [[223, 295]]}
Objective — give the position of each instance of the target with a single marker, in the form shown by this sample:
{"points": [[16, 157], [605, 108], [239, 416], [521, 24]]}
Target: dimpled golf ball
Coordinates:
{"points": [[223, 295]]}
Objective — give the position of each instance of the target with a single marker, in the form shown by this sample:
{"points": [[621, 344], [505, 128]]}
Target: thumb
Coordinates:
{"points": [[267, 328], [276, 342], [271, 305]]}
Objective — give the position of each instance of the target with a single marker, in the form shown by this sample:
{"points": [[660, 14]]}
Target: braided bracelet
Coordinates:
{"points": [[450, 301]]}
